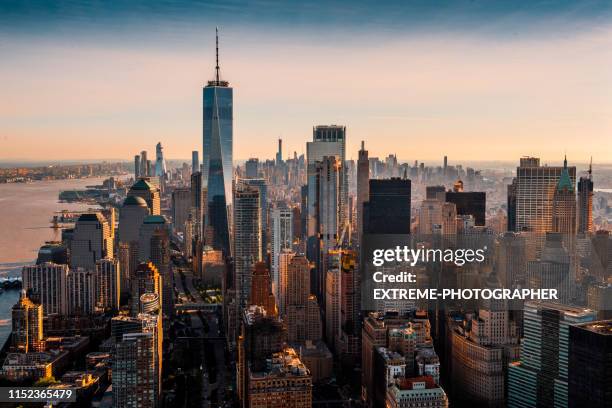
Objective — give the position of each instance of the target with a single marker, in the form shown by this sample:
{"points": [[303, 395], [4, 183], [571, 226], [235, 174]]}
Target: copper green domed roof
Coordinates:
{"points": [[141, 185], [134, 200]]}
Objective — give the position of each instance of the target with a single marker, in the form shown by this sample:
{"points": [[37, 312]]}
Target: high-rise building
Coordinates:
{"points": [[181, 208], [350, 328], [137, 166], [564, 204], [146, 279], [481, 352], [262, 188], [131, 217], [333, 295], [150, 225], [217, 156], [195, 161], [108, 284], [144, 171], [261, 294], [301, 311], [134, 372], [148, 192], [81, 291], [553, 270], [511, 205], [247, 238], [534, 190], [197, 205], [388, 208], [363, 187], [27, 320], [327, 141], [437, 217], [282, 239], [279, 153], [590, 364], [46, 283], [472, 203], [160, 162], [251, 168], [92, 241], [328, 216], [540, 378], [585, 203]]}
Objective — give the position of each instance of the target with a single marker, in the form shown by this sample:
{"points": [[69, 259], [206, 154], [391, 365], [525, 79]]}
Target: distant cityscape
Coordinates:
{"points": [[212, 284]]}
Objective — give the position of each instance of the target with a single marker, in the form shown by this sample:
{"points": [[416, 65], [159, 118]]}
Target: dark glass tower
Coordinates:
{"points": [[388, 208], [217, 158]]}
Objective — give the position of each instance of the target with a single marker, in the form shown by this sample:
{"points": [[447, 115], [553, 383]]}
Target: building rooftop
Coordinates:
{"points": [[603, 327], [134, 200], [142, 184], [285, 363]]}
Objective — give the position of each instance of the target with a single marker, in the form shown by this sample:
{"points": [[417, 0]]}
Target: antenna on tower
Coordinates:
{"points": [[591, 167], [217, 52]]}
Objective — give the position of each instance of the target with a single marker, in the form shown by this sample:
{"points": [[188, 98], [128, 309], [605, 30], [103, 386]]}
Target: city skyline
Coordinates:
{"points": [[525, 77]]}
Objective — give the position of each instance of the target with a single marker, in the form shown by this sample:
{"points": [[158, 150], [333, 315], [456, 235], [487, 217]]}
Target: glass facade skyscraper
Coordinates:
{"points": [[217, 158]]}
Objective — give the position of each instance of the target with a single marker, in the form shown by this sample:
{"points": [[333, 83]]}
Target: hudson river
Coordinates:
{"points": [[26, 210]]}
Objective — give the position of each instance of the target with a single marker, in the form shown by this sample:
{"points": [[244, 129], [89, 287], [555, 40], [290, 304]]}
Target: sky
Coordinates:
{"points": [[474, 80]]}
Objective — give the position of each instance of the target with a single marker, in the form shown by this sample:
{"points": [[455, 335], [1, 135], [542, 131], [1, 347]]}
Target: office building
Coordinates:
{"points": [[144, 164], [181, 208], [247, 238], [564, 204], [281, 239], [472, 203], [388, 208], [481, 352], [197, 211], [330, 142], [108, 284], [150, 226], [328, 216], [262, 188], [261, 293], [92, 241], [251, 168], [217, 156], [534, 190], [137, 166], [585, 203], [363, 186], [195, 162], [160, 162], [540, 377], [590, 364], [146, 279], [553, 270], [144, 189]]}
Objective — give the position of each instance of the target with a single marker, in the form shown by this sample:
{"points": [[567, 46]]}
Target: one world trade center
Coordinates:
{"points": [[217, 158]]}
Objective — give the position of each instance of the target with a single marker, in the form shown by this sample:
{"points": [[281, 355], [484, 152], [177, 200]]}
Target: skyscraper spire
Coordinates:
{"points": [[565, 161], [217, 53], [591, 167]]}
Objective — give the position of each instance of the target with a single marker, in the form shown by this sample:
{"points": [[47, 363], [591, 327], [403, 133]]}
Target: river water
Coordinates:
{"points": [[26, 210]]}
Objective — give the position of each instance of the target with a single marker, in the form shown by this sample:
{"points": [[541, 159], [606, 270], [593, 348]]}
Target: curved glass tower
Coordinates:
{"points": [[217, 158]]}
